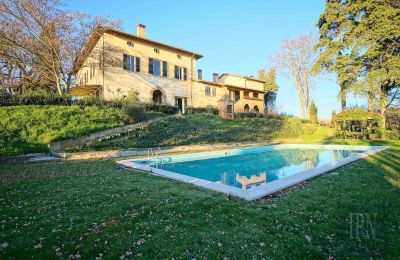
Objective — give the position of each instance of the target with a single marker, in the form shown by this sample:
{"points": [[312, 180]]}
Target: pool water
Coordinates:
{"points": [[250, 170]]}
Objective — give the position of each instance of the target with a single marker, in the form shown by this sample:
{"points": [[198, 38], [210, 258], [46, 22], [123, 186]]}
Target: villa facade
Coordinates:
{"points": [[113, 63]]}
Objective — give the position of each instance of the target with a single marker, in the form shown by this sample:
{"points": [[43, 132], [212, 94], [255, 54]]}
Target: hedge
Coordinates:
{"points": [[204, 110], [257, 115], [56, 100]]}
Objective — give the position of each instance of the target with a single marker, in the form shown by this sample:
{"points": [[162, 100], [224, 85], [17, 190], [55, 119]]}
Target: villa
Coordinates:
{"points": [[113, 63]]}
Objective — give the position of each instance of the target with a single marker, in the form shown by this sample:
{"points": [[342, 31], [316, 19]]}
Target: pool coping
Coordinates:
{"points": [[267, 188]]}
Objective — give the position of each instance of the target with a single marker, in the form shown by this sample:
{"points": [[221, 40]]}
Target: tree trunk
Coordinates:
{"points": [[343, 97], [58, 85], [370, 101], [383, 101]]}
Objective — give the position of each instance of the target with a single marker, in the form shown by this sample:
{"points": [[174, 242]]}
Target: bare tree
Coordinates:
{"points": [[295, 60], [43, 40]]}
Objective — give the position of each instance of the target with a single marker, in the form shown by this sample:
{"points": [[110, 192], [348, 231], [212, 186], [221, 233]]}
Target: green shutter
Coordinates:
{"points": [[150, 65], [125, 62], [165, 69], [137, 64], [184, 73]]}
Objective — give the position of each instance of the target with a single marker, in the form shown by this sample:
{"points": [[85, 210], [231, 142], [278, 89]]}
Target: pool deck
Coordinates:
{"points": [[267, 188]]}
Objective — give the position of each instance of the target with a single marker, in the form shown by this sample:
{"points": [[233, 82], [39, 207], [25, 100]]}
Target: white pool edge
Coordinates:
{"points": [[268, 188]]}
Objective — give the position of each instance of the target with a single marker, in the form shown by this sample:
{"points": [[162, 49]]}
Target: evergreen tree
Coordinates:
{"points": [[360, 41], [271, 87], [313, 113]]}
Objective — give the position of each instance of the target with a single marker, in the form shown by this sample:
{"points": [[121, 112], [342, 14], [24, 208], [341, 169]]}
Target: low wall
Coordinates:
{"points": [[154, 151], [56, 148]]}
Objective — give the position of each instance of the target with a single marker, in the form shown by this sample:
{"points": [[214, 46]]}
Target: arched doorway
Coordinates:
{"points": [[157, 97], [256, 109], [246, 108]]}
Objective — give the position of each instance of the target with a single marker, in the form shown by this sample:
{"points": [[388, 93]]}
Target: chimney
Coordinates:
{"points": [[141, 30], [199, 74], [215, 77]]}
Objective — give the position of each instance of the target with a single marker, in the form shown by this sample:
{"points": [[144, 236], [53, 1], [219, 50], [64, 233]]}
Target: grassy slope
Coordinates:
{"points": [[91, 208], [200, 129], [27, 129]]}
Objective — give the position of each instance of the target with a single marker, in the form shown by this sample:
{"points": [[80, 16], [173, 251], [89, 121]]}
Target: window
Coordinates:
{"points": [[130, 44], [255, 95], [179, 56], [180, 73], [246, 94], [229, 109], [154, 67], [210, 91], [165, 69], [131, 63], [157, 51]]}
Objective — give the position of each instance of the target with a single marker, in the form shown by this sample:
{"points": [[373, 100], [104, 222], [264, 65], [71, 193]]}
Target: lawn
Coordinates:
{"points": [[29, 129], [89, 209], [203, 129]]}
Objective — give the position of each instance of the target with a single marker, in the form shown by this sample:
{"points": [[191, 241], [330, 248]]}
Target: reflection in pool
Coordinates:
{"points": [[247, 171]]}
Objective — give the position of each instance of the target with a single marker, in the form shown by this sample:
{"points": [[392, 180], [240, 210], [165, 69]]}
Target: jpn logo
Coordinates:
{"points": [[362, 226]]}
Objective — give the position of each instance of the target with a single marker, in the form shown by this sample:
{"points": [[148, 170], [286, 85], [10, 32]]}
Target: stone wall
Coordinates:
{"points": [[155, 151], [57, 148]]}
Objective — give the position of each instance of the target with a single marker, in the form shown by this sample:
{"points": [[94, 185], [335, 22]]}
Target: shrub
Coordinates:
{"points": [[166, 109], [97, 101], [390, 134], [249, 115], [134, 113], [35, 98], [204, 110], [256, 115]]}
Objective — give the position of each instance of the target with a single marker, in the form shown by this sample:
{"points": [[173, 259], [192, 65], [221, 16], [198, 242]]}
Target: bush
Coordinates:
{"points": [[204, 110], [44, 98], [134, 113], [390, 134], [35, 98], [166, 109], [256, 115], [249, 115], [90, 101]]}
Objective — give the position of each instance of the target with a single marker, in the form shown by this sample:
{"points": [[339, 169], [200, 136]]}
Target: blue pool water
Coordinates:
{"points": [[247, 170]]}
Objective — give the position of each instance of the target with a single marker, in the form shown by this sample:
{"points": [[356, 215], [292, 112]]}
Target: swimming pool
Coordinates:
{"points": [[251, 173]]}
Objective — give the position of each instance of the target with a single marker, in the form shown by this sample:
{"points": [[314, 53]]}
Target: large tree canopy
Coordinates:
{"points": [[360, 41], [39, 41], [295, 60]]}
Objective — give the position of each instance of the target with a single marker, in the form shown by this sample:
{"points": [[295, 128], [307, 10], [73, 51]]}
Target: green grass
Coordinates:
{"points": [[90, 208], [203, 129], [29, 129]]}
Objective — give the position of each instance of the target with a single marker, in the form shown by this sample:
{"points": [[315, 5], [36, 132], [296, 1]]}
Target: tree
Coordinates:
{"points": [[42, 39], [313, 113], [333, 114], [271, 88], [360, 40], [295, 59]]}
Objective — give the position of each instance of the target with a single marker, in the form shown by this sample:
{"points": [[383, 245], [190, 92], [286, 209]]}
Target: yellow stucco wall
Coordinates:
{"points": [[242, 82], [200, 99], [117, 82]]}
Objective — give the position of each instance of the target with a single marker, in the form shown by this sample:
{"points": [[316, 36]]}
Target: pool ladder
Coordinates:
{"points": [[155, 154]]}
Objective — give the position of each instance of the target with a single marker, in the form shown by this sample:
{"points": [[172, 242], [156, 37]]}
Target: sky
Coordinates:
{"points": [[234, 36]]}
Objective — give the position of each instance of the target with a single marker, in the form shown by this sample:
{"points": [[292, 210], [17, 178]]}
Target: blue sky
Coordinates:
{"points": [[234, 36]]}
